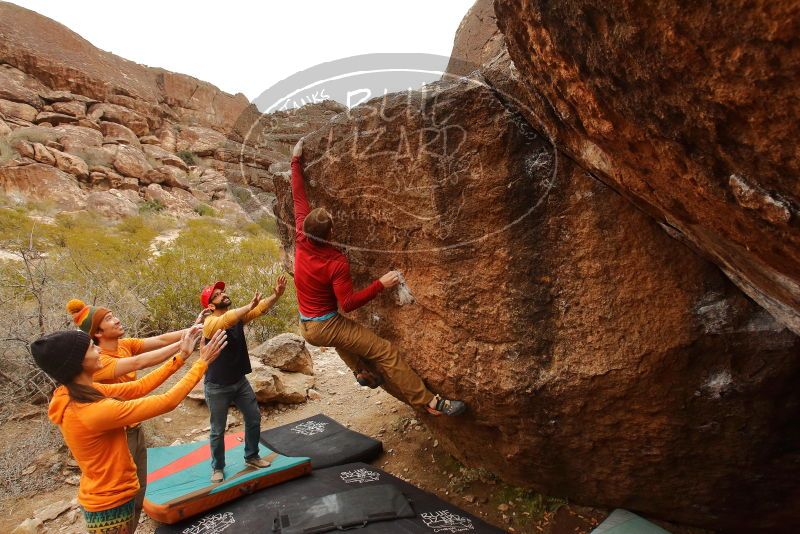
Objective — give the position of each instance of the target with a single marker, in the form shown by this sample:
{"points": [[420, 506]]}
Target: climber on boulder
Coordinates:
{"points": [[324, 285]]}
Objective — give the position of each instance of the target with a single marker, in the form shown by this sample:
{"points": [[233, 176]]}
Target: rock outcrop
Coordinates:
{"points": [[603, 359], [113, 125], [282, 371], [287, 352], [689, 110], [478, 40]]}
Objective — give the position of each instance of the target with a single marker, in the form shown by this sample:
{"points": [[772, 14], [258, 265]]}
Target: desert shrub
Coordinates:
{"points": [[205, 252], [528, 504], [6, 152], [139, 228], [204, 210], [151, 206], [188, 157], [241, 194], [268, 224], [19, 230], [46, 262], [42, 438]]}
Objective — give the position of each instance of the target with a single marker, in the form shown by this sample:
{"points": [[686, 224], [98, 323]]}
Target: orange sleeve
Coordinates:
{"points": [[143, 386], [258, 311], [218, 322], [111, 413], [134, 345], [108, 371]]}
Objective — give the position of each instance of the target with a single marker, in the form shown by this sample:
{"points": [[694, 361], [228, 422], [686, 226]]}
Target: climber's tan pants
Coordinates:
{"points": [[353, 342]]}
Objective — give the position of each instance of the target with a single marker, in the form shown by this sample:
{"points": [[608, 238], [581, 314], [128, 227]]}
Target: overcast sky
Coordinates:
{"points": [[246, 47]]}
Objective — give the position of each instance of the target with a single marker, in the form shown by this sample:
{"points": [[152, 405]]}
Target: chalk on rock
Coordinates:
{"points": [[403, 295]]}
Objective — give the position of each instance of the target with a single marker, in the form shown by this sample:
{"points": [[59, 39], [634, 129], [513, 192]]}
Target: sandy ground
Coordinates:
{"points": [[410, 452]]}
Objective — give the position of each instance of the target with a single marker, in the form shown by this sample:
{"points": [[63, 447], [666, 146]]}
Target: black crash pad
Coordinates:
{"points": [[353, 508], [256, 513], [323, 440]]}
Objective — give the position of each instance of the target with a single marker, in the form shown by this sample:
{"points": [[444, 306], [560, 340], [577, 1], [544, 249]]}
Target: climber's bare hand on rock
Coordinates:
{"points": [[298, 148], [390, 279]]}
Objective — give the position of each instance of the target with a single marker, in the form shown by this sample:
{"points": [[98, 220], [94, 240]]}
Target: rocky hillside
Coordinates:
{"points": [[85, 129], [544, 241]]}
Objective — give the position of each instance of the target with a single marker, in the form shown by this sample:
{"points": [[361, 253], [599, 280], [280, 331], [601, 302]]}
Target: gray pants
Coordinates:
{"points": [[219, 398], [138, 448]]}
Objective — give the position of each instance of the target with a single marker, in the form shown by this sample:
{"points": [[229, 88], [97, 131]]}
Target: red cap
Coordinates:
{"points": [[205, 295]]}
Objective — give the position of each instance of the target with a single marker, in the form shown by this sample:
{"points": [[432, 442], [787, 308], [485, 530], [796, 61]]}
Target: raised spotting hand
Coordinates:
{"points": [[209, 351], [280, 286], [201, 317], [189, 340], [256, 300]]}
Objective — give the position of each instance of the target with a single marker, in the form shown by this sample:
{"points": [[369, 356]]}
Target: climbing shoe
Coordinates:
{"points": [[447, 407], [217, 476], [368, 378], [258, 463]]}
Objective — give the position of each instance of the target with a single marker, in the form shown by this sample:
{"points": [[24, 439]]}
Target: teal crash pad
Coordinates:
{"points": [[178, 484], [625, 522]]}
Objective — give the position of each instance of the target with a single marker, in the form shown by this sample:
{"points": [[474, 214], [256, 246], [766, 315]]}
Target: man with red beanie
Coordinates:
{"points": [[226, 382], [120, 358], [323, 283]]}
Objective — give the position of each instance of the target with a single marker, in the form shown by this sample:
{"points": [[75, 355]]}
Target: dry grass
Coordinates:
{"points": [[42, 445]]}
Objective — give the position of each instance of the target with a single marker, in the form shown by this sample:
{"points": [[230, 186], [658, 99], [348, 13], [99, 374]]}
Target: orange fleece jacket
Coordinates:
{"points": [[95, 432], [126, 347]]}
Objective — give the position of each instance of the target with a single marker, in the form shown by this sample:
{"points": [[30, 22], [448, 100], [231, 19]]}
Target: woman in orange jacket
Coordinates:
{"points": [[92, 417]]}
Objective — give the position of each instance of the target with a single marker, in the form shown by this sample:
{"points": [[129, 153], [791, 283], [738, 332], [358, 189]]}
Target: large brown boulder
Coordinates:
{"points": [[176, 204], [687, 108], [201, 141], [71, 164], [602, 359], [118, 133], [72, 107]]}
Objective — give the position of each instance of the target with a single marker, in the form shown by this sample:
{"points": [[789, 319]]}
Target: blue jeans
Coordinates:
{"points": [[219, 398]]}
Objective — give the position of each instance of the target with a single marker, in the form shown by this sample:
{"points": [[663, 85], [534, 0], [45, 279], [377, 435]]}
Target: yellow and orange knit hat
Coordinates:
{"points": [[87, 318]]}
